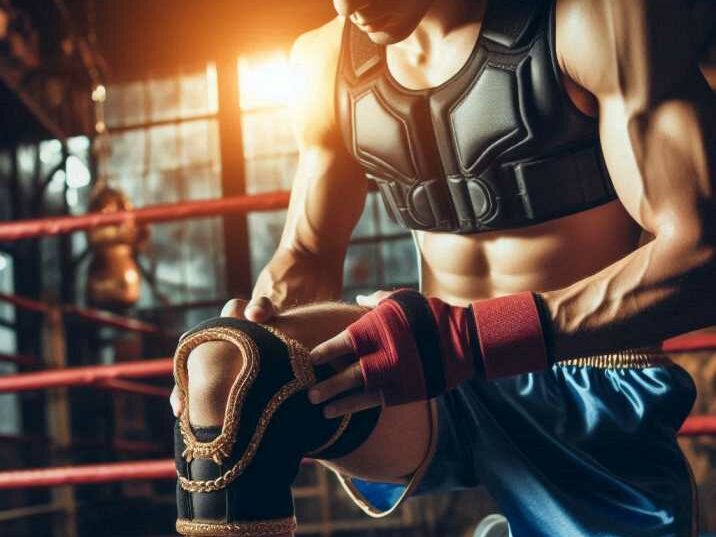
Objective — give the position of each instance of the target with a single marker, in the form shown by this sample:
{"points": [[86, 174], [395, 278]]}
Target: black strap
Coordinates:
{"points": [[477, 358], [543, 193], [363, 53], [359, 429], [427, 338], [509, 22]]}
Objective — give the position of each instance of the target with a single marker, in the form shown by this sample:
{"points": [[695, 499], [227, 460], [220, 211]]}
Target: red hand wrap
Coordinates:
{"points": [[457, 353], [412, 348], [389, 358], [510, 334]]}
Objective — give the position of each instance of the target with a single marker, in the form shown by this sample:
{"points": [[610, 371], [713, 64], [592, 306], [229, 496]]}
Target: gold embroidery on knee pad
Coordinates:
{"points": [[260, 528], [221, 447], [333, 438]]}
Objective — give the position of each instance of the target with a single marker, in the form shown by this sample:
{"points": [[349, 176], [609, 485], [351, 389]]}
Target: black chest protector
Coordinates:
{"points": [[498, 146]]}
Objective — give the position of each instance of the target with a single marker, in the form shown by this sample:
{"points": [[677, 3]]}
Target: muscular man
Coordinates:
{"points": [[529, 144]]}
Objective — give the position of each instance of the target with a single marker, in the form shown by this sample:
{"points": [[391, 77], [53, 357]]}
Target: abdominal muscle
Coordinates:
{"points": [[543, 257]]}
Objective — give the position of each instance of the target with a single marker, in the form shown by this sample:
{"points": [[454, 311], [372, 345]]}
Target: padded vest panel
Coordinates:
{"points": [[381, 137], [487, 118]]}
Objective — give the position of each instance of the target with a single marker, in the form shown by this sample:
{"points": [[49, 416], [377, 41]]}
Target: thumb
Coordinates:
{"points": [[234, 308], [175, 402], [260, 310], [372, 300]]}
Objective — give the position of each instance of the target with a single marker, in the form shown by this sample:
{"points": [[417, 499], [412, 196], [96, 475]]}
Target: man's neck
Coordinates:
{"points": [[444, 18]]}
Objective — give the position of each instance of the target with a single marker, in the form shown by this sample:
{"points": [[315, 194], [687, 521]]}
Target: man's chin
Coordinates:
{"points": [[388, 37]]}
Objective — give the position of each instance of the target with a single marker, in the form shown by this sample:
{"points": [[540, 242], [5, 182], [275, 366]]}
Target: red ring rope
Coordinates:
{"points": [[126, 386], [88, 474], [85, 376], [100, 317], [164, 469], [43, 227], [690, 342], [699, 426], [20, 359], [92, 375]]}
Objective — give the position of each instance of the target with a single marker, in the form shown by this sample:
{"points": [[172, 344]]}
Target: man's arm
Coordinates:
{"points": [[328, 192], [657, 125]]}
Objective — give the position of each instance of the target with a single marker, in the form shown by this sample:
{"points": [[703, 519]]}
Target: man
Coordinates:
{"points": [[528, 144]]}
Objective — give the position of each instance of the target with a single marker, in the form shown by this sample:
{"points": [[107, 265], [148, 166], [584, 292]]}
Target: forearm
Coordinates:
{"points": [[294, 276], [414, 348], [666, 287]]}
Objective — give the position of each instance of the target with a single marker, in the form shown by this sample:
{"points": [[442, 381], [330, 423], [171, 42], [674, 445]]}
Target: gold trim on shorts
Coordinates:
{"points": [[259, 528], [414, 480], [625, 359]]}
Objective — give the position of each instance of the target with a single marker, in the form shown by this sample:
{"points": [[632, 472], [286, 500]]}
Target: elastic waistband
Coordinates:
{"points": [[625, 359]]}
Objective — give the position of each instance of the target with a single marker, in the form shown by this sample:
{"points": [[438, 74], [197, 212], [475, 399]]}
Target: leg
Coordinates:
{"points": [[400, 441], [582, 449], [396, 446]]}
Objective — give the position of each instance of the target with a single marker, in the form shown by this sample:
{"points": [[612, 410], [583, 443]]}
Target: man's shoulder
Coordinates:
{"points": [[624, 46], [584, 46], [314, 63], [319, 49]]}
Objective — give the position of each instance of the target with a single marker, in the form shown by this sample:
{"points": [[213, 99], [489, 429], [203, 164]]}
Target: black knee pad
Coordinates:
{"points": [[236, 479]]}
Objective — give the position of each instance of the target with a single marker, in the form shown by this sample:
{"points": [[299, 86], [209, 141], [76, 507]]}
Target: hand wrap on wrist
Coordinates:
{"points": [[236, 479], [413, 348]]}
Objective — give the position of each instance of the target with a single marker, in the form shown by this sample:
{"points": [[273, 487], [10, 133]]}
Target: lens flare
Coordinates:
{"points": [[264, 81]]}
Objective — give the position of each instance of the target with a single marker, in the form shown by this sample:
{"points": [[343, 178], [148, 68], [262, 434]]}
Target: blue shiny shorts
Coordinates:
{"points": [[577, 450]]}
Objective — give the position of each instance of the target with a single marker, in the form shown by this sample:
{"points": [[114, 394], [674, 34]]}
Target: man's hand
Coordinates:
{"points": [[410, 348], [349, 379]]}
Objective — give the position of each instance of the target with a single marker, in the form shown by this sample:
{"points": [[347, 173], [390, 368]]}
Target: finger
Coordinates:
{"points": [[260, 310], [380, 295], [335, 347], [175, 402], [365, 301], [343, 381], [234, 308], [353, 403], [372, 300]]}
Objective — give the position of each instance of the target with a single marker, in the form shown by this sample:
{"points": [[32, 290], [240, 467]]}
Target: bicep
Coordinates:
{"points": [[661, 156], [655, 111]]}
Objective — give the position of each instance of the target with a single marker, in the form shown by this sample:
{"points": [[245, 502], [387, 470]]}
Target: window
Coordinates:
{"points": [[164, 147], [381, 254]]}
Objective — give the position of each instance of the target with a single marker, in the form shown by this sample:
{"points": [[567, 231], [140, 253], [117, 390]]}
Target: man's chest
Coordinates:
{"points": [[498, 145]]}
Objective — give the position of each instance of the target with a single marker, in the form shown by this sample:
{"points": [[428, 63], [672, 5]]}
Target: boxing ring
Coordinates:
{"points": [[128, 376]]}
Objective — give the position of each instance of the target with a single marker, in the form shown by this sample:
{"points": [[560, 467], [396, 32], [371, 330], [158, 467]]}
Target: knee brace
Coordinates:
{"points": [[235, 480]]}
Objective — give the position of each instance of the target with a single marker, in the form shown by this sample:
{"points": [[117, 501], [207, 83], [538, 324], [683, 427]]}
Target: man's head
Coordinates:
{"points": [[385, 21]]}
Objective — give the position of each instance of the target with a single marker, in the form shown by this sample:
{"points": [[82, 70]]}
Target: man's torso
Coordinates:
{"points": [[460, 267]]}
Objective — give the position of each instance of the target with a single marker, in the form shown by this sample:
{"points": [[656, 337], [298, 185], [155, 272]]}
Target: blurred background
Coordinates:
{"points": [[107, 105]]}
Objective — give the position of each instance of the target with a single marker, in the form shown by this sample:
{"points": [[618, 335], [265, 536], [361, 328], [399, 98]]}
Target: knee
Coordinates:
{"points": [[315, 323], [212, 368]]}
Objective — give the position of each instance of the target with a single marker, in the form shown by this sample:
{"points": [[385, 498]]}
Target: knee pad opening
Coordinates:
{"points": [[220, 447]]}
